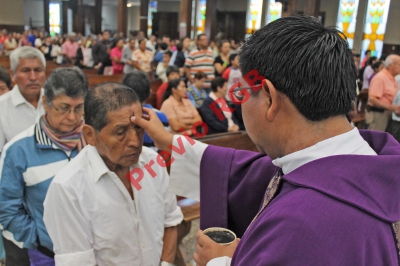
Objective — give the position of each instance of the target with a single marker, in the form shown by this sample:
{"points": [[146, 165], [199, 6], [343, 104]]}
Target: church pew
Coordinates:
{"points": [[95, 79], [236, 140]]}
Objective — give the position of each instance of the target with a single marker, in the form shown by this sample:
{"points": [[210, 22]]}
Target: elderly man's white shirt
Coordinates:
{"points": [[17, 114], [92, 220]]}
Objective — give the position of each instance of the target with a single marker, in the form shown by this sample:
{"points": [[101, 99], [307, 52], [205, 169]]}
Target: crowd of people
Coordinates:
{"points": [[81, 182]]}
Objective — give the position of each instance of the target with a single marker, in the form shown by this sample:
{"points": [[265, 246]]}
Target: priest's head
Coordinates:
{"points": [[308, 84], [108, 108]]}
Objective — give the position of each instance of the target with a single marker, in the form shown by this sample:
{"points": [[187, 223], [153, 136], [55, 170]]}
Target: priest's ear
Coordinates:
{"points": [[90, 134], [274, 99]]}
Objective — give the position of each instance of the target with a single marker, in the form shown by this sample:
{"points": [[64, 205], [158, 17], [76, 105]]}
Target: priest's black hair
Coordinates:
{"points": [[306, 61]]}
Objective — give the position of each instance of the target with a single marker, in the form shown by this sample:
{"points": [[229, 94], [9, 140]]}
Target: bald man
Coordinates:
{"points": [[382, 91]]}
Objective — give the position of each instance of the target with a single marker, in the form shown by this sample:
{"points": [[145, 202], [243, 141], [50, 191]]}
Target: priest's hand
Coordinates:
{"points": [[207, 249], [153, 126]]}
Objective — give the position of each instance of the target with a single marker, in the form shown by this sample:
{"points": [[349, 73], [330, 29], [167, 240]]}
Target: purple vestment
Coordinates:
{"points": [[336, 210]]}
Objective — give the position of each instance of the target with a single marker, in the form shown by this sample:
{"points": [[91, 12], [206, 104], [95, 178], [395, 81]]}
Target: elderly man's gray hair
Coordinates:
{"points": [[71, 82], [390, 60], [25, 52]]}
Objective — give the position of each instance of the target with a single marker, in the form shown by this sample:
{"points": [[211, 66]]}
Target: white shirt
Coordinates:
{"points": [[92, 219], [17, 114], [185, 169]]}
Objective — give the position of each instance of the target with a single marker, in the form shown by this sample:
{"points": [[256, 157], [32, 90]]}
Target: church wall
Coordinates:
{"points": [[110, 18], [133, 18], [169, 6]]}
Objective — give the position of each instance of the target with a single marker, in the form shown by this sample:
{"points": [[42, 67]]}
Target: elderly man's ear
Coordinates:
{"points": [[90, 134]]}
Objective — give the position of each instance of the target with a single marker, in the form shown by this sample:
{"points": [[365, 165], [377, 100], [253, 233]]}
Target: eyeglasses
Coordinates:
{"points": [[66, 110]]}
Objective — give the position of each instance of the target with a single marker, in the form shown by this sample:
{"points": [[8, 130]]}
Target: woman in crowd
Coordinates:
{"points": [[179, 56], [10, 44], [180, 111], [31, 160], [5, 81], [46, 48], [39, 40], [56, 51], [368, 71], [116, 56], [162, 66], [217, 119], [142, 58], [222, 61], [84, 57]]}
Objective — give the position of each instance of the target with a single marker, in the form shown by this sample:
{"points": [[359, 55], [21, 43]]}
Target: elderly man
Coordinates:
{"points": [[382, 90], [31, 159], [19, 109], [96, 212], [326, 194], [69, 48]]}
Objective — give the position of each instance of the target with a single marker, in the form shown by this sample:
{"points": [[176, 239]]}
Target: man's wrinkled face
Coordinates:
{"points": [[119, 143], [30, 76]]}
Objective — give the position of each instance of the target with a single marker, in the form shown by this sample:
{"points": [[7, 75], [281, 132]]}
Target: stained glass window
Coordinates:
{"points": [[201, 16], [375, 26], [152, 9], [274, 11], [346, 20], [254, 16], [54, 18]]}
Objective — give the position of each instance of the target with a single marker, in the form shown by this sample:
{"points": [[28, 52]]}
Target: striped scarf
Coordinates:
{"points": [[66, 141]]}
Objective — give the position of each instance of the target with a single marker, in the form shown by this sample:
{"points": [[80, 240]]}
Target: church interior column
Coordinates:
{"points": [[185, 18], [211, 19], [98, 6], [311, 8], [64, 26], [144, 13], [122, 16], [46, 15]]}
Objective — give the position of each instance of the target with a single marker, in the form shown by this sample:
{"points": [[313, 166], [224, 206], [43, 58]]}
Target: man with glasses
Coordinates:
{"points": [[20, 108], [31, 159], [382, 90]]}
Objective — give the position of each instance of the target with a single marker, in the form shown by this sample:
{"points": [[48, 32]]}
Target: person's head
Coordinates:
{"points": [[105, 35], [71, 36], [167, 56], [172, 72], [225, 47], [139, 82], [5, 81], [202, 41], [41, 35], [392, 64], [10, 36], [199, 79], [167, 40], [176, 88], [119, 43], [163, 46], [35, 32], [26, 33], [132, 43], [49, 40], [152, 38], [108, 109], [142, 44], [377, 66], [60, 41], [185, 42], [140, 34], [234, 60], [219, 86], [83, 42], [63, 99], [367, 53], [212, 44], [372, 60], [307, 79], [28, 67]]}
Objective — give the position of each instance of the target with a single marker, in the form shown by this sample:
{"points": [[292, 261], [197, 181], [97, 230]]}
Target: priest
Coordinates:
{"points": [[319, 192]]}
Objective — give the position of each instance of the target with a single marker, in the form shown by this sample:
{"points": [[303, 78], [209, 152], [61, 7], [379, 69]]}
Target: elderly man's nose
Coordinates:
{"points": [[133, 138], [32, 75]]}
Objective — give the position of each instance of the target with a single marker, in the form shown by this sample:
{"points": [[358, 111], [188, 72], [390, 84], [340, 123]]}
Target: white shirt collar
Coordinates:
{"points": [[18, 98], [99, 168], [348, 143]]}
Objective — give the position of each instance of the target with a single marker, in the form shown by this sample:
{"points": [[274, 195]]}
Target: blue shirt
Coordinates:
{"points": [[32, 39], [28, 164], [147, 141], [159, 57]]}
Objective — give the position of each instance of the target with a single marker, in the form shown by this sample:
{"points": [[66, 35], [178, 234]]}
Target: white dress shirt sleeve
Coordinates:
{"points": [[70, 232], [2, 140], [221, 261], [185, 169]]}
